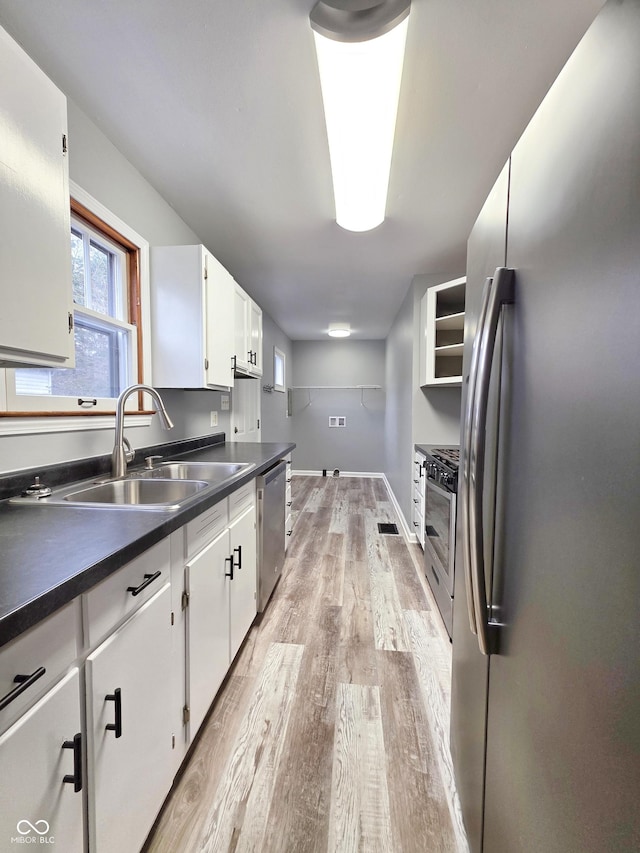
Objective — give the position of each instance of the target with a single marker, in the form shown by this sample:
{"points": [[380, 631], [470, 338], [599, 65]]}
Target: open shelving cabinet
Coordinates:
{"points": [[442, 340]]}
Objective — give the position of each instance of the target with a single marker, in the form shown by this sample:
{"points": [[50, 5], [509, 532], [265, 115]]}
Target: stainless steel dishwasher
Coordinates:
{"points": [[271, 488]]}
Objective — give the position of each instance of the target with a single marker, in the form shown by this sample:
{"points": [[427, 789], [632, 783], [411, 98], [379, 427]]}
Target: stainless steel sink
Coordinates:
{"points": [[135, 492], [168, 486], [211, 472], [129, 493]]}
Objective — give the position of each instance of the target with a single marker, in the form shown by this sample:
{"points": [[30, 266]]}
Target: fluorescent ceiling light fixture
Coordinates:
{"points": [[339, 330], [360, 49]]}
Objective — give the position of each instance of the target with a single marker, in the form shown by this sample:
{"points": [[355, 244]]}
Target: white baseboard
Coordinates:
{"points": [[406, 531]]}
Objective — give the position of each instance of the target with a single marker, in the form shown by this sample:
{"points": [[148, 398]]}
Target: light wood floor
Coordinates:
{"points": [[331, 731]]}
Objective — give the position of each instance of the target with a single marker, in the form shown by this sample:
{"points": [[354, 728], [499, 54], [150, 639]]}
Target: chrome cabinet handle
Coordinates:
{"points": [[466, 450], [24, 682], [501, 293]]}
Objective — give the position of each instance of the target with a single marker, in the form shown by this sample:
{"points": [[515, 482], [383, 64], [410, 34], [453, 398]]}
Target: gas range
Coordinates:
{"points": [[442, 466]]}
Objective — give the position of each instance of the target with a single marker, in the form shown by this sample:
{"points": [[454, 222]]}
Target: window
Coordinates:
{"points": [[106, 294], [279, 364]]}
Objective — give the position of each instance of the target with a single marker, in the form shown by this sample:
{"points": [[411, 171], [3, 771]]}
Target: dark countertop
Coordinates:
{"points": [[51, 554]]}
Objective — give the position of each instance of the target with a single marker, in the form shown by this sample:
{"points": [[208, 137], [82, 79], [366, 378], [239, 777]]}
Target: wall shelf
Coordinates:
{"points": [[442, 334], [336, 387], [361, 388]]}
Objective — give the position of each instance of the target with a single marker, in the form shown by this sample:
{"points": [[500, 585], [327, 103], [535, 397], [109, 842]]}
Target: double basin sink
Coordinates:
{"points": [[167, 486]]}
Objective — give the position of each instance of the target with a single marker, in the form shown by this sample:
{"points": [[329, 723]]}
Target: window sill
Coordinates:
{"points": [[31, 425]]}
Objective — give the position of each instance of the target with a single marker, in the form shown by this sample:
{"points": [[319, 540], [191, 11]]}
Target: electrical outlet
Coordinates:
{"points": [[214, 419], [224, 402]]}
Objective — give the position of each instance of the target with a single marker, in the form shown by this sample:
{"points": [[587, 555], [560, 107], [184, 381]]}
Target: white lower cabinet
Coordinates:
{"points": [[243, 585], [207, 626], [129, 737], [419, 477], [156, 638], [288, 509], [221, 587], [41, 773]]}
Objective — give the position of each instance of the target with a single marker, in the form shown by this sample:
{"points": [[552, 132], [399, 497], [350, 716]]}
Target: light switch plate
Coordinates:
{"points": [[224, 402]]}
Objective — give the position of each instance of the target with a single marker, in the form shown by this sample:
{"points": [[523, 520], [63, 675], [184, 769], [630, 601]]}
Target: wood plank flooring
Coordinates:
{"points": [[330, 734]]}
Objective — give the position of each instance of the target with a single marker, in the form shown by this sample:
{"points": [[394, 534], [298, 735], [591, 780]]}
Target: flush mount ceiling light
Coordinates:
{"points": [[339, 330], [360, 49]]}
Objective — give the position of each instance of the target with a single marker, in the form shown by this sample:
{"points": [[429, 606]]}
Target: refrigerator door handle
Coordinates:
{"points": [[466, 445], [500, 293]]}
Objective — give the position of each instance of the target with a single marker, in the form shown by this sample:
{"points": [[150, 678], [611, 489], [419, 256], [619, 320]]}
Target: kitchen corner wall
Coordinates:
{"points": [[276, 426], [98, 167], [358, 446], [413, 415]]}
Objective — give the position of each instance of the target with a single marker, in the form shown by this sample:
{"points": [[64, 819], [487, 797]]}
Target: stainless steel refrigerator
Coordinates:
{"points": [[545, 723]]}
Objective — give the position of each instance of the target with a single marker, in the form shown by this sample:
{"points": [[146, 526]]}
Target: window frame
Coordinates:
{"points": [[279, 355], [35, 419]]}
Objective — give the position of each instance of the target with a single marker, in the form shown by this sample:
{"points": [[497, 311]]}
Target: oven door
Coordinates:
{"points": [[440, 524]]}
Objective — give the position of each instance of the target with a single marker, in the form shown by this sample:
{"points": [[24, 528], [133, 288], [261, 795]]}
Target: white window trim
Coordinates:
{"points": [[52, 424], [40, 426], [279, 354]]}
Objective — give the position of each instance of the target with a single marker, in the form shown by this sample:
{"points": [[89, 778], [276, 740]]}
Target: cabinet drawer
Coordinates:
{"points": [[206, 527], [51, 645], [113, 599], [241, 499]]}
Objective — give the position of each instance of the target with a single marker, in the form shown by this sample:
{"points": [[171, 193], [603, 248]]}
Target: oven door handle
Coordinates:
{"points": [[438, 488], [500, 293]]}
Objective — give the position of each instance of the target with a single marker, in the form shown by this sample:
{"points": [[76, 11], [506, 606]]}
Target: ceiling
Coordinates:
{"points": [[217, 103]]}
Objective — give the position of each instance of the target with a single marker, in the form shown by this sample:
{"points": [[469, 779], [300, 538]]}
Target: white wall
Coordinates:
{"points": [[276, 426], [360, 445], [414, 415]]}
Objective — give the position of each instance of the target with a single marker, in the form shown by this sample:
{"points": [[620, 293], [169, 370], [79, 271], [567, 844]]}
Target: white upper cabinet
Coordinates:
{"points": [[192, 318], [247, 334], [35, 255], [442, 334], [255, 331]]}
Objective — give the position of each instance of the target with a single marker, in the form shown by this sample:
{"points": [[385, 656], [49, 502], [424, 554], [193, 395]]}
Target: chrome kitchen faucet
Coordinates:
{"points": [[120, 456]]}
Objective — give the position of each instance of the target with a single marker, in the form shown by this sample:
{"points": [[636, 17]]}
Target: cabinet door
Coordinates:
{"points": [[219, 296], [129, 728], [36, 803], [243, 587], [242, 337], [255, 315], [178, 294], [35, 262], [207, 625]]}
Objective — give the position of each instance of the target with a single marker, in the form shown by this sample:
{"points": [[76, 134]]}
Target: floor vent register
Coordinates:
{"points": [[386, 527]]}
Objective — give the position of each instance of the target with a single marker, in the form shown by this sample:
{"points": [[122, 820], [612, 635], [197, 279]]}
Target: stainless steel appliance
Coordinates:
{"points": [[545, 723], [441, 479], [271, 489]]}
